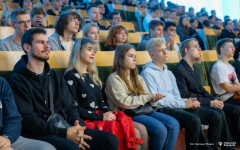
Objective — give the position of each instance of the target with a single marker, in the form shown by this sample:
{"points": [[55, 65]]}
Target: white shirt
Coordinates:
{"points": [[147, 20], [68, 45], [222, 73]]}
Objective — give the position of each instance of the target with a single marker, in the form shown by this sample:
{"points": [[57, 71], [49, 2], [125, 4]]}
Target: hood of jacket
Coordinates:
{"points": [[21, 68]]}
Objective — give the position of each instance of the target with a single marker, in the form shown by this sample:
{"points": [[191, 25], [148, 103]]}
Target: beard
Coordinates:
{"points": [[41, 58]]}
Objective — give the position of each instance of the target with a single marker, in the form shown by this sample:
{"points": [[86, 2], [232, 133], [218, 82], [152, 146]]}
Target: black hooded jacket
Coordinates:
{"points": [[31, 94]]}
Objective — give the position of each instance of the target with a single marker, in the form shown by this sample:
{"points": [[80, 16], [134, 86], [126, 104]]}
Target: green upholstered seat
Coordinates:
{"points": [[134, 44], [104, 72], [131, 16], [208, 67], [212, 41], [102, 46], [5, 74], [231, 61], [59, 70], [170, 66], [200, 67], [122, 14]]}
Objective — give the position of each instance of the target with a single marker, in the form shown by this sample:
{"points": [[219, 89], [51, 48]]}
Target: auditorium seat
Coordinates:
{"points": [[211, 38], [12, 6], [59, 60], [209, 58], [83, 13], [129, 26], [46, 8], [105, 23], [177, 39], [134, 39], [236, 33], [130, 12], [50, 31], [51, 20], [118, 7], [5, 32], [102, 38]]}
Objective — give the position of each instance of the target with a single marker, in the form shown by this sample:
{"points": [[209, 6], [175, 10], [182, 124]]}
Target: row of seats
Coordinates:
{"points": [[134, 38]]}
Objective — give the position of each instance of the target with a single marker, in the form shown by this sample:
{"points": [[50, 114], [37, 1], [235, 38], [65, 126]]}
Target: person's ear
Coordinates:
{"points": [[151, 55], [13, 25], [222, 49], [186, 51], [27, 48], [150, 31]]}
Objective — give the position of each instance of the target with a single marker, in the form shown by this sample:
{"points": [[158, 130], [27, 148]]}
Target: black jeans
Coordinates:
{"points": [[232, 110], [100, 140], [191, 120]]}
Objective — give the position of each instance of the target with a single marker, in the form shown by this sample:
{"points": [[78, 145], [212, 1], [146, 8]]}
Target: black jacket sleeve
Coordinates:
{"points": [[184, 91], [30, 121], [73, 90], [11, 117], [69, 105]]}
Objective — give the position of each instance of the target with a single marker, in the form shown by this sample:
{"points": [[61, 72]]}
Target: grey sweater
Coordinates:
{"points": [[8, 44], [56, 43]]}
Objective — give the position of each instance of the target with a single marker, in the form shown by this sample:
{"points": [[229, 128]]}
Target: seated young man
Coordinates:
{"points": [[152, 16], [21, 22], [65, 3], [38, 15], [166, 14], [227, 32], [173, 15], [29, 82], [157, 29], [217, 25], [188, 79], [93, 13], [101, 8], [10, 122], [56, 7], [68, 24], [114, 18]]}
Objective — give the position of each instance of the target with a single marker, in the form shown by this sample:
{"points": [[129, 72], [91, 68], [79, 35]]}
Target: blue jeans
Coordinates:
{"points": [[162, 128]]}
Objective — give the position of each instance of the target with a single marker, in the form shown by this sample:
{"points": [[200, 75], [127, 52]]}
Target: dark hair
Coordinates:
{"points": [[154, 23], [237, 47], [226, 16], [166, 9], [154, 9], [190, 8], [185, 28], [198, 13], [63, 21], [91, 6], [204, 14], [206, 23], [37, 11], [67, 8], [28, 36], [217, 19], [225, 23], [192, 20], [220, 43], [211, 17], [98, 3], [111, 14], [169, 24], [20, 2], [212, 10]]}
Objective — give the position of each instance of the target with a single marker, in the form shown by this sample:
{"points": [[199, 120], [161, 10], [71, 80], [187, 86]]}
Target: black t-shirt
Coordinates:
{"points": [[110, 48], [50, 12]]}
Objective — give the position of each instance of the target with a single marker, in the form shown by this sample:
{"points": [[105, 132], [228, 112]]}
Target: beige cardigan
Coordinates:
{"points": [[118, 94]]}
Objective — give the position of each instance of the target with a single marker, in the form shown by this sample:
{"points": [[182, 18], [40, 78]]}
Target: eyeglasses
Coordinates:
{"points": [[22, 23], [231, 46], [118, 18], [196, 46], [75, 20]]}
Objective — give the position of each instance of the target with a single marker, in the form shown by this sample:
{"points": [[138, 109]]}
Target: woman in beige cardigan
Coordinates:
{"points": [[126, 90]]}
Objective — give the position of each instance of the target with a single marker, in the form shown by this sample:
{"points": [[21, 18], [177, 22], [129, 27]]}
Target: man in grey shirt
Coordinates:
{"points": [[21, 22]]}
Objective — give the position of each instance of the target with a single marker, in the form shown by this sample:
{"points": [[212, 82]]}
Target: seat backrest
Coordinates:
{"points": [[105, 23], [50, 31], [12, 6], [102, 38], [236, 39], [217, 32], [83, 13], [236, 33], [140, 9], [128, 25], [46, 8], [209, 58], [177, 39], [5, 32], [211, 38], [134, 39], [51, 20]]}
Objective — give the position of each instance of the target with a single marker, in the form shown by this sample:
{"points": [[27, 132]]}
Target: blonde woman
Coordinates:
{"points": [[91, 31], [6, 21], [126, 90], [85, 86]]}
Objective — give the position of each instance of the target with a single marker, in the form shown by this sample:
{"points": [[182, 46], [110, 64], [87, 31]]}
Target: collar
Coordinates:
{"points": [[186, 65]]}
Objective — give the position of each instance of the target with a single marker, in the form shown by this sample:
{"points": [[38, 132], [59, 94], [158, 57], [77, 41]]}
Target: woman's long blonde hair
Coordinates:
{"points": [[119, 66], [74, 61], [85, 30]]}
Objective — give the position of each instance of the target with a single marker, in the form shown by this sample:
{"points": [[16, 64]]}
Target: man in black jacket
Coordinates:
{"points": [[93, 13], [227, 32], [30, 84], [189, 85], [217, 25]]}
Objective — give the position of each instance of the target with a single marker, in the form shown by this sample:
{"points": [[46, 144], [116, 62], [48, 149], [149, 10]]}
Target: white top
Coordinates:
{"points": [[222, 73], [68, 45], [147, 20]]}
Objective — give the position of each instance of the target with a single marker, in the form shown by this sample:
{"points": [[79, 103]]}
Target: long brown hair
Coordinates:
{"points": [[134, 85], [114, 30], [185, 28]]}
